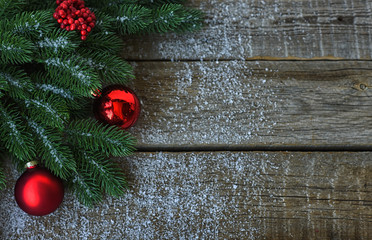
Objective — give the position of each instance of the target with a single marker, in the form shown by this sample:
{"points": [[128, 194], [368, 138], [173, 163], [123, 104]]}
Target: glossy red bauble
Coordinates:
{"points": [[117, 105], [38, 192]]}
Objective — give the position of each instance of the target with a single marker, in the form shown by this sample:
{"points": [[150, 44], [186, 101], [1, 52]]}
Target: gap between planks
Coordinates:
{"points": [[253, 59], [255, 149]]}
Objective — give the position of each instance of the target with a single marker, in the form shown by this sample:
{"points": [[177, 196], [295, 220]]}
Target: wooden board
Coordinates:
{"points": [[269, 29], [217, 195], [253, 105]]}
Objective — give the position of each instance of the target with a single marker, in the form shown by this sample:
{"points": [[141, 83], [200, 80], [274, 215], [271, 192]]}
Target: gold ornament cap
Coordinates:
{"points": [[31, 164]]}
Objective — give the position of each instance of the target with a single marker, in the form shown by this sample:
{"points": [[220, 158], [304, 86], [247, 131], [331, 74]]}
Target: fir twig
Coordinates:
{"points": [[85, 187], [14, 49], [19, 85], [2, 179], [50, 110], [71, 72], [14, 134], [47, 76], [49, 145], [109, 177], [131, 18], [92, 135]]}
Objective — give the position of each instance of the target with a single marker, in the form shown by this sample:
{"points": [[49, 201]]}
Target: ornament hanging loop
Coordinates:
{"points": [[31, 164]]}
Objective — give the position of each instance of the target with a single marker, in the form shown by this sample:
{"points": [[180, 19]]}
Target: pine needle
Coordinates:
{"points": [[95, 136]]}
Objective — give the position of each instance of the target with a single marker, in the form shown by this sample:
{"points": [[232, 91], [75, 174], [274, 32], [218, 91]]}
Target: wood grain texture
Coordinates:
{"points": [[217, 195], [252, 104], [266, 29]]}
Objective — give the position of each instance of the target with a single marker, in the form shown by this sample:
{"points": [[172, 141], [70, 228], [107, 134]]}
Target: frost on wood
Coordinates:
{"points": [[276, 28], [180, 196], [221, 195], [206, 103]]}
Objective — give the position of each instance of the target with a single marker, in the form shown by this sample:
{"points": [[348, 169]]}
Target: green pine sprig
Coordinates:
{"points": [[48, 75]]}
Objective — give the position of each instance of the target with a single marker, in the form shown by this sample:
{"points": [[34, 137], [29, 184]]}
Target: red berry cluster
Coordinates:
{"points": [[73, 15]]}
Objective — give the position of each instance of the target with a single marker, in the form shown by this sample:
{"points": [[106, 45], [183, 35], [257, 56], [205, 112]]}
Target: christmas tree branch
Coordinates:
{"points": [[2, 179], [19, 85], [14, 136], [71, 72], [113, 69], [57, 42], [131, 18], [49, 145], [48, 76], [86, 189], [109, 177], [14, 49], [92, 135], [10, 7], [50, 110]]}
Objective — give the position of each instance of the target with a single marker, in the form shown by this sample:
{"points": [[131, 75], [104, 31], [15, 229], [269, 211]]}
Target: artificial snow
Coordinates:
{"points": [[55, 44], [56, 90], [172, 196], [211, 104]]}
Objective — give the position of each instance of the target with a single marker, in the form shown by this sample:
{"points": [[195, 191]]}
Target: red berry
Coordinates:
{"points": [[83, 10], [77, 22], [72, 27], [89, 29], [61, 12], [77, 12], [84, 26], [68, 28], [92, 24], [89, 19], [58, 2], [83, 38], [55, 15], [81, 20], [71, 21], [79, 28], [65, 21], [64, 6], [85, 15], [87, 11], [83, 32], [60, 20], [63, 26]]}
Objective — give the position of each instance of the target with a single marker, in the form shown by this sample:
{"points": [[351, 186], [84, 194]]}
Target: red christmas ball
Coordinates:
{"points": [[38, 192], [117, 105]]}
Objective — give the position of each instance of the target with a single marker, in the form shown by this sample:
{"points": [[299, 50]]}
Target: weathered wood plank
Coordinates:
{"points": [[269, 28], [218, 195], [252, 104]]}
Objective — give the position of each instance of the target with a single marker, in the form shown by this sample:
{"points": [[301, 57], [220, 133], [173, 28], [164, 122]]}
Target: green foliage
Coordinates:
{"points": [[30, 24], [2, 179], [131, 18], [72, 72], [48, 109], [86, 188], [53, 153], [108, 177], [14, 49], [92, 135], [13, 134], [16, 82], [9, 8], [48, 75]]}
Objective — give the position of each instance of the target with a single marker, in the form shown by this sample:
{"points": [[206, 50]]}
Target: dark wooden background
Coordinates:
{"points": [[256, 127]]}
